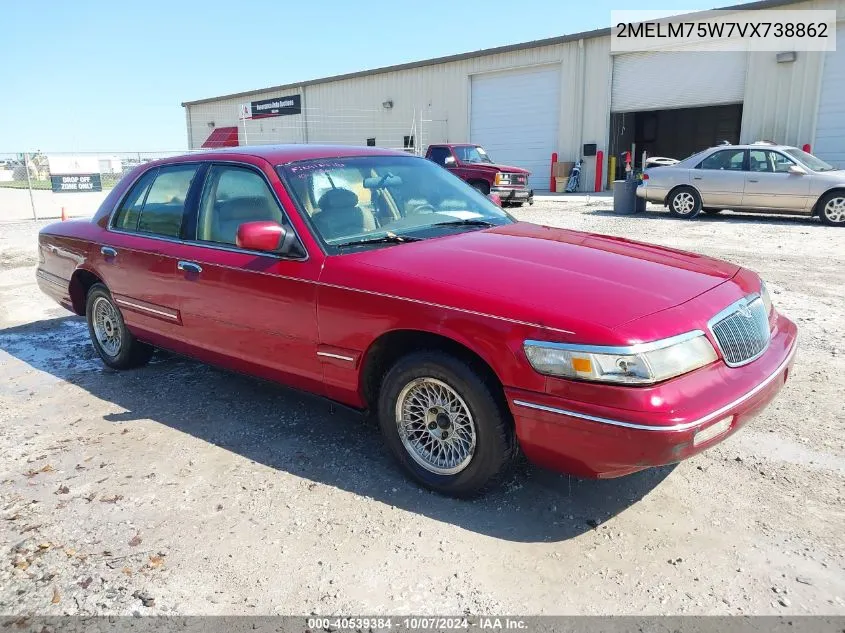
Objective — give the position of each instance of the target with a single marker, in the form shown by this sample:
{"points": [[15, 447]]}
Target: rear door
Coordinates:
{"points": [[769, 185], [720, 178], [139, 262], [256, 309]]}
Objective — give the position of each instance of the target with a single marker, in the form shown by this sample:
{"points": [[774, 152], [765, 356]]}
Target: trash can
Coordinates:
{"points": [[624, 197]]}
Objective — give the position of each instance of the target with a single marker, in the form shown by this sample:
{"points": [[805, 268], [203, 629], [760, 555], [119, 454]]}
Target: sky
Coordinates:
{"points": [[91, 75]]}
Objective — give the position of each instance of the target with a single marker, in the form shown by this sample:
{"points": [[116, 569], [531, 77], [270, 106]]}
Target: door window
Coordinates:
{"points": [[231, 197], [440, 154], [165, 203], [127, 215], [726, 159], [780, 163], [759, 161]]}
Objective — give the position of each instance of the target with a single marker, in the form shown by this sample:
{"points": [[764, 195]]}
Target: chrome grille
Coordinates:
{"points": [[742, 331]]}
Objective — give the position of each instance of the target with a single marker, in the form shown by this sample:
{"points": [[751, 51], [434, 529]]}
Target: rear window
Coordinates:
{"points": [[129, 212], [165, 202]]}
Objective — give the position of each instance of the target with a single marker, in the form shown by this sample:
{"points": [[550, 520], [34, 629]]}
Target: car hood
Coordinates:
{"points": [[557, 278], [499, 167]]}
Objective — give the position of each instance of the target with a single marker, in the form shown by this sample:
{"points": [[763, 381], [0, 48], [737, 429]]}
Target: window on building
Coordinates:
{"points": [[165, 203], [371, 142], [408, 142]]}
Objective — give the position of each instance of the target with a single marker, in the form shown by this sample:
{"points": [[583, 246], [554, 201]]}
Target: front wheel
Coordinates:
{"points": [[444, 424], [112, 340], [482, 186], [832, 208], [685, 203]]}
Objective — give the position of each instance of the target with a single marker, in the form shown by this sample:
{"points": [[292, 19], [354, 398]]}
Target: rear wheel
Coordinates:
{"points": [[685, 203], [114, 343], [832, 208], [444, 424]]}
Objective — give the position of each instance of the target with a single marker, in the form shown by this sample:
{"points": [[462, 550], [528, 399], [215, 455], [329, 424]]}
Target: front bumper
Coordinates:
{"points": [[593, 440], [510, 194]]}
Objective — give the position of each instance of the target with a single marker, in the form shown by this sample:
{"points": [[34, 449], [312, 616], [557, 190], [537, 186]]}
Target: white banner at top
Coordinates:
{"points": [[754, 30]]}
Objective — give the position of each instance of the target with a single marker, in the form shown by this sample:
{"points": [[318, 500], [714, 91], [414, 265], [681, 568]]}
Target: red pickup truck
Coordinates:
{"points": [[471, 163]]}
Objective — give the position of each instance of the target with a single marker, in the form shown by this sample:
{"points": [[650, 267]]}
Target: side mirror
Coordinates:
{"points": [[450, 161], [261, 236], [495, 199], [797, 170]]}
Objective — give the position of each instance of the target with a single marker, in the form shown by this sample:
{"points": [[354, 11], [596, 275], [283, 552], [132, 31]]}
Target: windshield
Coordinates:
{"points": [[357, 200], [471, 154], [808, 160]]}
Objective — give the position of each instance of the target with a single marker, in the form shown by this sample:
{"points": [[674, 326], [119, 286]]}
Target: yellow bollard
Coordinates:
{"points": [[611, 170]]}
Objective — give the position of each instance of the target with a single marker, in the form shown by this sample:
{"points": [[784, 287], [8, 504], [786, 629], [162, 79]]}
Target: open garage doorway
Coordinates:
{"points": [[673, 133]]}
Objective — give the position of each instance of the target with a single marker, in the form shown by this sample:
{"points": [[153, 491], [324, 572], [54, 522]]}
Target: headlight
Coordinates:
{"points": [[640, 364], [767, 299]]}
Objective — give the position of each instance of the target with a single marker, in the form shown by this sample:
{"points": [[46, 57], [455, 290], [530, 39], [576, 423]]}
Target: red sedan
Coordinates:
{"points": [[382, 281]]}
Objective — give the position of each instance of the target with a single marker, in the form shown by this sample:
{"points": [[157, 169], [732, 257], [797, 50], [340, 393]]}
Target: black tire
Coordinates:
{"points": [[495, 443], [130, 352], [712, 211], [515, 205], [684, 198], [482, 186], [833, 215]]}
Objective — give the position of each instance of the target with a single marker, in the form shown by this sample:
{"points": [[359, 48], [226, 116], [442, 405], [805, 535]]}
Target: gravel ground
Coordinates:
{"points": [[179, 488]]}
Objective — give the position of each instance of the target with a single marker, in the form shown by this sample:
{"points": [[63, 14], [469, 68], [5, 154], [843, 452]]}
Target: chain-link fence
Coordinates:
{"points": [[225, 123], [41, 185], [45, 184]]}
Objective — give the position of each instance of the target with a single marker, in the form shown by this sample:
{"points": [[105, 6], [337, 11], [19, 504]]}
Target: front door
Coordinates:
{"points": [[769, 185], [720, 179], [255, 311]]}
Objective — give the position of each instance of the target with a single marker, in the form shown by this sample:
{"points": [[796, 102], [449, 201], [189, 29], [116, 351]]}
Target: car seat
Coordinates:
{"points": [[230, 214], [340, 216]]}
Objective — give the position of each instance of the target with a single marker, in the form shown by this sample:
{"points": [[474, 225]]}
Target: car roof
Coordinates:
{"points": [[759, 145], [281, 154]]}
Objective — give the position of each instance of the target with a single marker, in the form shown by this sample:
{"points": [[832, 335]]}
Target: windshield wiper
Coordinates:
{"points": [[387, 238], [467, 222]]}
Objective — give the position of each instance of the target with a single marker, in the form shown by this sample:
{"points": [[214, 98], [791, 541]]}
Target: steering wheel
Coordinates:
{"points": [[424, 208]]}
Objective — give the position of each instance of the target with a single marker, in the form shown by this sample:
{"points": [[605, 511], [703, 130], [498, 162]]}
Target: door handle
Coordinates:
{"points": [[189, 267], [108, 251], [752, 180], [696, 177]]}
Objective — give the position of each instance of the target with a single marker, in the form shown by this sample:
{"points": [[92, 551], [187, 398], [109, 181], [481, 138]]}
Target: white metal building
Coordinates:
{"points": [[525, 101]]}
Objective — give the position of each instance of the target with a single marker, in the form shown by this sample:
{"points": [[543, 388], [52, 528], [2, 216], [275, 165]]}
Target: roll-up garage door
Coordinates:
{"points": [[830, 126], [677, 79], [514, 116]]}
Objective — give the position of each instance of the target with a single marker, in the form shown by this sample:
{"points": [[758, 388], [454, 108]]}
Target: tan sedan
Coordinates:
{"points": [[760, 177]]}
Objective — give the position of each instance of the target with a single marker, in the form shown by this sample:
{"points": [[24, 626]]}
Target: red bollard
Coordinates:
{"points": [[552, 187], [806, 147], [599, 172]]}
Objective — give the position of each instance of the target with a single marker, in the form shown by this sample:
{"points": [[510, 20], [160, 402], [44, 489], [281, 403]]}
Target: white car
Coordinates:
{"points": [[760, 177]]}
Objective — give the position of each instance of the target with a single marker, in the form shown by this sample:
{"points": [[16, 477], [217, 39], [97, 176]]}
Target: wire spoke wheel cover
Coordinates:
{"points": [[683, 203], [435, 426], [107, 327], [834, 210]]}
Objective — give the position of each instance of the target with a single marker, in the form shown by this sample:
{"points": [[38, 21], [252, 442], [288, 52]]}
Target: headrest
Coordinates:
{"points": [[338, 199]]}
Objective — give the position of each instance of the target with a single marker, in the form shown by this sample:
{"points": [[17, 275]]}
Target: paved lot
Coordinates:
{"points": [[182, 488]]}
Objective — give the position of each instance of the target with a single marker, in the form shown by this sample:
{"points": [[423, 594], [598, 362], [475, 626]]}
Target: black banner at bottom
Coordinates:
{"points": [[409, 623]]}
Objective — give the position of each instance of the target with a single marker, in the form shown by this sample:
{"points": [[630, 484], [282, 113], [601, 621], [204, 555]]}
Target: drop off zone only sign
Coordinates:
{"points": [[69, 174]]}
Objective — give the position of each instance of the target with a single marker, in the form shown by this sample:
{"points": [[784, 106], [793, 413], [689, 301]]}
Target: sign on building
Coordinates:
{"points": [[277, 106]]}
